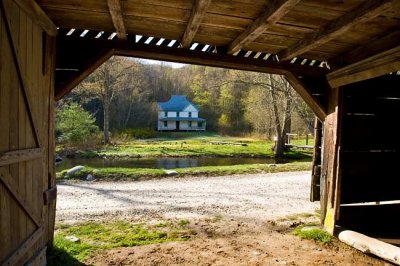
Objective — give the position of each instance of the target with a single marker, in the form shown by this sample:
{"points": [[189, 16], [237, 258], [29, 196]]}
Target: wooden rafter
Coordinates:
{"points": [[366, 11], [386, 42], [271, 15], [126, 48], [306, 94], [114, 6], [198, 11], [371, 67]]}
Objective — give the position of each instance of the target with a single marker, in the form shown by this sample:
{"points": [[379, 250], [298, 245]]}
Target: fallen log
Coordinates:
{"points": [[371, 245]]}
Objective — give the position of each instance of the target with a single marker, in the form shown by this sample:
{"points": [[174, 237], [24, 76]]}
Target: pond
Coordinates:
{"points": [[166, 163]]}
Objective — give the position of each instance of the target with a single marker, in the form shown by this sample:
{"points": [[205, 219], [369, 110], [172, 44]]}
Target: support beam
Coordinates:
{"points": [[306, 94], [198, 11], [272, 14], [374, 66], [114, 6], [125, 48], [85, 71], [386, 42], [366, 11]]}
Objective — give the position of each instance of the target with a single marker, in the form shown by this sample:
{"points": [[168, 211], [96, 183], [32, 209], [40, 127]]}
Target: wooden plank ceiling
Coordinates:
{"points": [[308, 41], [313, 29]]}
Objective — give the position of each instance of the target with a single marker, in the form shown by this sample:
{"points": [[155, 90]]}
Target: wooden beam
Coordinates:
{"points": [[198, 11], [36, 13], [85, 71], [17, 156], [124, 48], [24, 248], [386, 42], [366, 11], [271, 15], [374, 66], [305, 93], [114, 6], [371, 245]]}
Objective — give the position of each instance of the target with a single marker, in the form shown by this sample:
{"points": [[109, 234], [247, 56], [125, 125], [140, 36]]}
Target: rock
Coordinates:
{"points": [[272, 165], [170, 172], [90, 177], [73, 239], [74, 170]]}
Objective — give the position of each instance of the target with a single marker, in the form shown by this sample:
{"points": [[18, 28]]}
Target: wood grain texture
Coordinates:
{"points": [[306, 94], [368, 10], [114, 7], [34, 10], [374, 66], [196, 16], [274, 11]]}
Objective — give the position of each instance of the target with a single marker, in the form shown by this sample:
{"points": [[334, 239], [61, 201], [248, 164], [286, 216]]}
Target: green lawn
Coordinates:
{"points": [[182, 144], [148, 173], [97, 236]]}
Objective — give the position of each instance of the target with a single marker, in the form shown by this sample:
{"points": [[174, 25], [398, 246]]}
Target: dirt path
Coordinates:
{"points": [[265, 196], [237, 220]]}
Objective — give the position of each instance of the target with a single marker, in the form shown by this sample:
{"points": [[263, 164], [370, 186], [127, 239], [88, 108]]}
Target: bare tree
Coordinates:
{"points": [[104, 84]]}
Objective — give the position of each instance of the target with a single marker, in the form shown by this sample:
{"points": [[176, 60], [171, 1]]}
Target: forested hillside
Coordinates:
{"points": [[123, 93]]}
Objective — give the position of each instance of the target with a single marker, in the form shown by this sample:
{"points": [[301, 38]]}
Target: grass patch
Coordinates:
{"points": [[101, 236], [147, 173], [185, 144], [315, 233]]}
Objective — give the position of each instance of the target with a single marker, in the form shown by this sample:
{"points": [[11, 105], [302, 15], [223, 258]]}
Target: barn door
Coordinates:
{"points": [[25, 138]]}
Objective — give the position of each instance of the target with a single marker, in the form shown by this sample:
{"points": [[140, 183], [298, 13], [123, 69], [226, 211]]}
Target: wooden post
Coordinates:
{"points": [[316, 164], [330, 171]]}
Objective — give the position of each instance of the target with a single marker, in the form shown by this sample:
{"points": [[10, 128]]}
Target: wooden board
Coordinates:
{"points": [[24, 149]]}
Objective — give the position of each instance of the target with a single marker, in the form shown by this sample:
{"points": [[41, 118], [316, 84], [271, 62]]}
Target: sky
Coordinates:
{"points": [[155, 62]]}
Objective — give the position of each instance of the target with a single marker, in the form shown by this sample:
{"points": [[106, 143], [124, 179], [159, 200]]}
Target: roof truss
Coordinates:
{"points": [[366, 11], [198, 11], [114, 6], [271, 15]]}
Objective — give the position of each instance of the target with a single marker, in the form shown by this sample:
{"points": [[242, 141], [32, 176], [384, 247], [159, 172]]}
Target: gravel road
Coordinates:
{"points": [[266, 196]]}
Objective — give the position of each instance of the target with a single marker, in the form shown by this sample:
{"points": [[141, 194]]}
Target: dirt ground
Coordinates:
{"points": [[232, 242], [234, 220]]}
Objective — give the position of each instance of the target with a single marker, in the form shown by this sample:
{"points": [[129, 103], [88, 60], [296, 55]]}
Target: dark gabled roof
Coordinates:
{"points": [[176, 103]]}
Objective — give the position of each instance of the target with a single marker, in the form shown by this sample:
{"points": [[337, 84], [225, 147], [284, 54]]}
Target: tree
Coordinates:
{"points": [[74, 124], [104, 84]]}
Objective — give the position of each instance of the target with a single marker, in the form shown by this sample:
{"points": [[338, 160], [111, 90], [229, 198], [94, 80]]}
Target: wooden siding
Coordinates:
{"points": [[26, 135]]}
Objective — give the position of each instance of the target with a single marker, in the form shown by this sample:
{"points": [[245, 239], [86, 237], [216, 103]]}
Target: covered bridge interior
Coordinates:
{"points": [[342, 57]]}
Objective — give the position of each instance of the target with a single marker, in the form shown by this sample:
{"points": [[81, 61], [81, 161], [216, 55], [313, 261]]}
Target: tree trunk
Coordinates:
{"points": [[106, 128], [287, 122], [279, 143]]}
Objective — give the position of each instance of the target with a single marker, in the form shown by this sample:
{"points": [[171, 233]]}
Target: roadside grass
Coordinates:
{"points": [[187, 144], [311, 231], [148, 173], [96, 236]]}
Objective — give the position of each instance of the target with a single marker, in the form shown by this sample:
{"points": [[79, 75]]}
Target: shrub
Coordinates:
{"points": [[74, 124], [139, 133]]}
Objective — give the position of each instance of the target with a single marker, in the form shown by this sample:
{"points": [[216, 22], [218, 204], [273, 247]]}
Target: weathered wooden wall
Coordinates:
{"points": [[369, 156], [26, 135]]}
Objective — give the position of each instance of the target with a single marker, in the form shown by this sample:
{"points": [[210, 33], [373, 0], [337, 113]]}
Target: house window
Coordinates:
{"points": [[166, 114], [200, 124], [177, 114], [190, 114], [165, 124], [190, 123]]}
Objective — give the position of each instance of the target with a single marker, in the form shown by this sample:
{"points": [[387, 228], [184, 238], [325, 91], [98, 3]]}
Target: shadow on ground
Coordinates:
{"points": [[57, 256]]}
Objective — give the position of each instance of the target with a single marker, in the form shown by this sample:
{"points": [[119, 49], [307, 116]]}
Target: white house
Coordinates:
{"points": [[179, 114]]}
